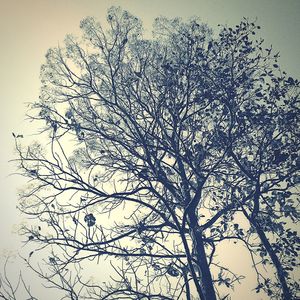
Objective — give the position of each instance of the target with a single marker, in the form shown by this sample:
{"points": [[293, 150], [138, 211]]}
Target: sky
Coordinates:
{"points": [[29, 27]]}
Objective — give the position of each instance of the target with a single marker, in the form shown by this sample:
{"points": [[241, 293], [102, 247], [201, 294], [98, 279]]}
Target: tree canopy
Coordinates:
{"points": [[159, 151]]}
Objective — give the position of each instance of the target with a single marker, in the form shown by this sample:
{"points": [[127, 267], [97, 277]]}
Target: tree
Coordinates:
{"points": [[158, 152]]}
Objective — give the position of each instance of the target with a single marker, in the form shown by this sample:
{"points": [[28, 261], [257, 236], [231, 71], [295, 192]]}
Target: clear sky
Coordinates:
{"points": [[29, 27]]}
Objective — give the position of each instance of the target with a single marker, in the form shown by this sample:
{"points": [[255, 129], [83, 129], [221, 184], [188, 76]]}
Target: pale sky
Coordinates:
{"points": [[29, 27]]}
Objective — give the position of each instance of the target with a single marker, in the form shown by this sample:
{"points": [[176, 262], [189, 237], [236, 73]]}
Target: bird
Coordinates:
{"points": [[17, 136], [279, 157], [138, 74]]}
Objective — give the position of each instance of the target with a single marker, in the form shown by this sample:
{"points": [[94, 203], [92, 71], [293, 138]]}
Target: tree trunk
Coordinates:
{"points": [[280, 272], [198, 244]]}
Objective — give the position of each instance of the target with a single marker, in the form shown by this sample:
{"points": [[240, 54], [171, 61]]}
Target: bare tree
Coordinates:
{"points": [[158, 151], [10, 288]]}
